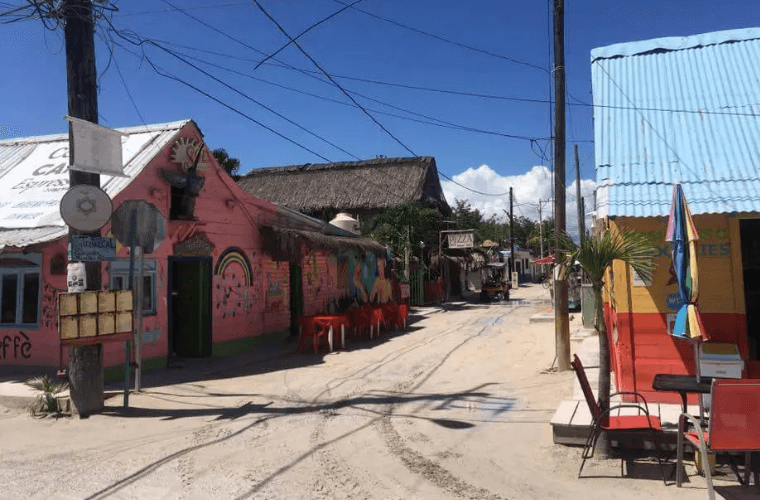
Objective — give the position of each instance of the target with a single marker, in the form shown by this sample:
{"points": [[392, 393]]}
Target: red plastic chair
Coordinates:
{"points": [[734, 426], [602, 421]]}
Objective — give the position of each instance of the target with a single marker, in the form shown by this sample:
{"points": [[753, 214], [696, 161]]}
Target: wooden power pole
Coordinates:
{"points": [[579, 199], [511, 236], [561, 321], [85, 362]]}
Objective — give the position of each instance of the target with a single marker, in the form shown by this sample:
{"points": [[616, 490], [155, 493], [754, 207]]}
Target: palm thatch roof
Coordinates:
{"points": [[364, 186], [289, 244]]}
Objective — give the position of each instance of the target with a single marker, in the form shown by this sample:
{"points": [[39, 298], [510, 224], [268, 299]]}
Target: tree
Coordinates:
{"points": [[596, 255], [403, 227], [229, 164]]}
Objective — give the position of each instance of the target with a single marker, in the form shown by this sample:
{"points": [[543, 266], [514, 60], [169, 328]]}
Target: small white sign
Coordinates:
{"points": [[76, 279], [96, 149], [461, 240]]}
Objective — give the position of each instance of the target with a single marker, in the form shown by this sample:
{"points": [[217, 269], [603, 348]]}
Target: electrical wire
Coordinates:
{"points": [[162, 72], [304, 32], [443, 123], [442, 39], [191, 7], [317, 65], [470, 189]]}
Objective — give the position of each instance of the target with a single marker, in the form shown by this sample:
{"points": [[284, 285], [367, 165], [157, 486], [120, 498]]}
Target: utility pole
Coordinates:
{"points": [[85, 362], [511, 236], [579, 200], [540, 230], [561, 321]]}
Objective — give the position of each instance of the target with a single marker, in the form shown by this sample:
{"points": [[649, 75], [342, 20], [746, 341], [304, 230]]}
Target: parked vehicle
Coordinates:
{"points": [[495, 285]]}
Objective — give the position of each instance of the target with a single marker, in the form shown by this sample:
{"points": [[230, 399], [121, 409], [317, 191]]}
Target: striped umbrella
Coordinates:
{"points": [[683, 238]]}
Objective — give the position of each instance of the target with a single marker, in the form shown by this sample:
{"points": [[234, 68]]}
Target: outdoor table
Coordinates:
{"points": [[329, 324], [683, 384]]}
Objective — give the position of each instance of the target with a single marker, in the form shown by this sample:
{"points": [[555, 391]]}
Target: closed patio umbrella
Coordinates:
{"points": [[683, 238]]}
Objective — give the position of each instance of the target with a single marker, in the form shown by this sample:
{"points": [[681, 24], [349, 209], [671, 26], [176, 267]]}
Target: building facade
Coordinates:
{"points": [[212, 285], [680, 110]]}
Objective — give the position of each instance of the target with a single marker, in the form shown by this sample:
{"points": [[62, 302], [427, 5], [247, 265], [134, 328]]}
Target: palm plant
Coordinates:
{"points": [[45, 401], [595, 255]]}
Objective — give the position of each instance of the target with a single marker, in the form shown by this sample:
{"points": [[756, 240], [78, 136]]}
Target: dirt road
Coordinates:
{"points": [[456, 407]]}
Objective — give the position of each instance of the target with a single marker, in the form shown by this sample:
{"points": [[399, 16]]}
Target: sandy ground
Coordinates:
{"points": [[456, 407]]}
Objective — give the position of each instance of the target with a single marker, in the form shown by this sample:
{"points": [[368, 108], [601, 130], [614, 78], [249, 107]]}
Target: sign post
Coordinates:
{"points": [[140, 225]]}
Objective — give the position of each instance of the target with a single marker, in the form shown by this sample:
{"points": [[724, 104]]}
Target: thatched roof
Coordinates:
{"points": [[288, 244], [369, 185]]}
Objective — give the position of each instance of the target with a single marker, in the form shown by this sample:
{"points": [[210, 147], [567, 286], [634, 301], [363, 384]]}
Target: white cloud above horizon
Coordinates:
{"points": [[528, 188]]}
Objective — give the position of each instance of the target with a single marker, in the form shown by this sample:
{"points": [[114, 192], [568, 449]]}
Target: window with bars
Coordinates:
{"points": [[20, 291]]}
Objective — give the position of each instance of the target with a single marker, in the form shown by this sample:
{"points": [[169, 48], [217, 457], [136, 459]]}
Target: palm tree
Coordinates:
{"points": [[229, 164], [596, 255]]}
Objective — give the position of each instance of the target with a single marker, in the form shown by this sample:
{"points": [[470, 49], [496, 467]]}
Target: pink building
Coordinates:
{"points": [[219, 281]]}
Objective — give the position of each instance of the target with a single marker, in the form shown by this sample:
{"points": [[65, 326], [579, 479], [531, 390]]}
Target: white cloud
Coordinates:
{"points": [[528, 188]]}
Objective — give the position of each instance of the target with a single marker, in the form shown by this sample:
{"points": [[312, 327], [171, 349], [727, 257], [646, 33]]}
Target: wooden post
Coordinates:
{"points": [[85, 375], [579, 199], [561, 321]]}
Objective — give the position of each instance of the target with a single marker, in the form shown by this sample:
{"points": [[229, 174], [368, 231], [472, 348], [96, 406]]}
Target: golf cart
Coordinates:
{"points": [[494, 282]]}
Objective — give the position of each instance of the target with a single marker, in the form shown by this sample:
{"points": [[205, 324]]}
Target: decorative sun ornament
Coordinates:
{"points": [[184, 152]]}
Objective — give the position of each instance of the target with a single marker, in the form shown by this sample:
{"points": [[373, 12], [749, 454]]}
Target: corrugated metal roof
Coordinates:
{"points": [[678, 109], [29, 236], [34, 178]]}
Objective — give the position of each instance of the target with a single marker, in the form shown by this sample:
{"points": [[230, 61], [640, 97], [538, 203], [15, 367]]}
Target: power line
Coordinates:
{"points": [[316, 64], [162, 72], [304, 32], [470, 189], [140, 41], [442, 39], [441, 122], [246, 96], [165, 74], [191, 7]]}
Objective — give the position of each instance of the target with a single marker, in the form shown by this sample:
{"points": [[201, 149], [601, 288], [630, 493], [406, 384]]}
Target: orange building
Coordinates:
{"points": [[677, 110]]}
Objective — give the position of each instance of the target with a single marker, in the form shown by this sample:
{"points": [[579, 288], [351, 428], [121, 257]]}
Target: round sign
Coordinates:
{"points": [[86, 208]]}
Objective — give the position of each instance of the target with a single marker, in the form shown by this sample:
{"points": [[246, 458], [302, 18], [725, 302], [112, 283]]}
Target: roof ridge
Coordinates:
{"points": [[375, 162]]}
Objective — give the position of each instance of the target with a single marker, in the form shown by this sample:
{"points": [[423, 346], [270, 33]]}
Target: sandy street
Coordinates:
{"points": [[456, 407]]}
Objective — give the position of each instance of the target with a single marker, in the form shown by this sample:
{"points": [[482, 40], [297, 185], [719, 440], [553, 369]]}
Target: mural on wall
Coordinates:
{"points": [[382, 289], [356, 286], [311, 277], [276, 289], [49, 306], [233, 283], [15, 345]]}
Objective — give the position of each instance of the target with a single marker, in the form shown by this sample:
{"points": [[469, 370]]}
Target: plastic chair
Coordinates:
{"points": [[602, 421], [734, 426]]}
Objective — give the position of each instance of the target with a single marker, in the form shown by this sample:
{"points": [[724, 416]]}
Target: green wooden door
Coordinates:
{"points": [[191, 308]]}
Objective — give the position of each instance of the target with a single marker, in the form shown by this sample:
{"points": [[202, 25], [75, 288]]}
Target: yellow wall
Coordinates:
{"points": [[720, 268]]}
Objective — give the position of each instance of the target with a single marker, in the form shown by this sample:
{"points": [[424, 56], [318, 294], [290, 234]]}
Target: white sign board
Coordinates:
{"points": [[35, 175], [96, 149], [461, 240]]}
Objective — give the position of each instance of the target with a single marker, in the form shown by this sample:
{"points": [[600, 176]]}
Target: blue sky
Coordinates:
{"points": [[356, 45]]}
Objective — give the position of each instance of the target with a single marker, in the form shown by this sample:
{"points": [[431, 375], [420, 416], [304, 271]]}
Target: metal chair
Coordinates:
{"points": [[603, 422], [733, 426]]}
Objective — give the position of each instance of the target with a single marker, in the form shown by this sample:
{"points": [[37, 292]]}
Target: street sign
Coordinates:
{"points": [[91, 248], [151, 224], [86, 208]]}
